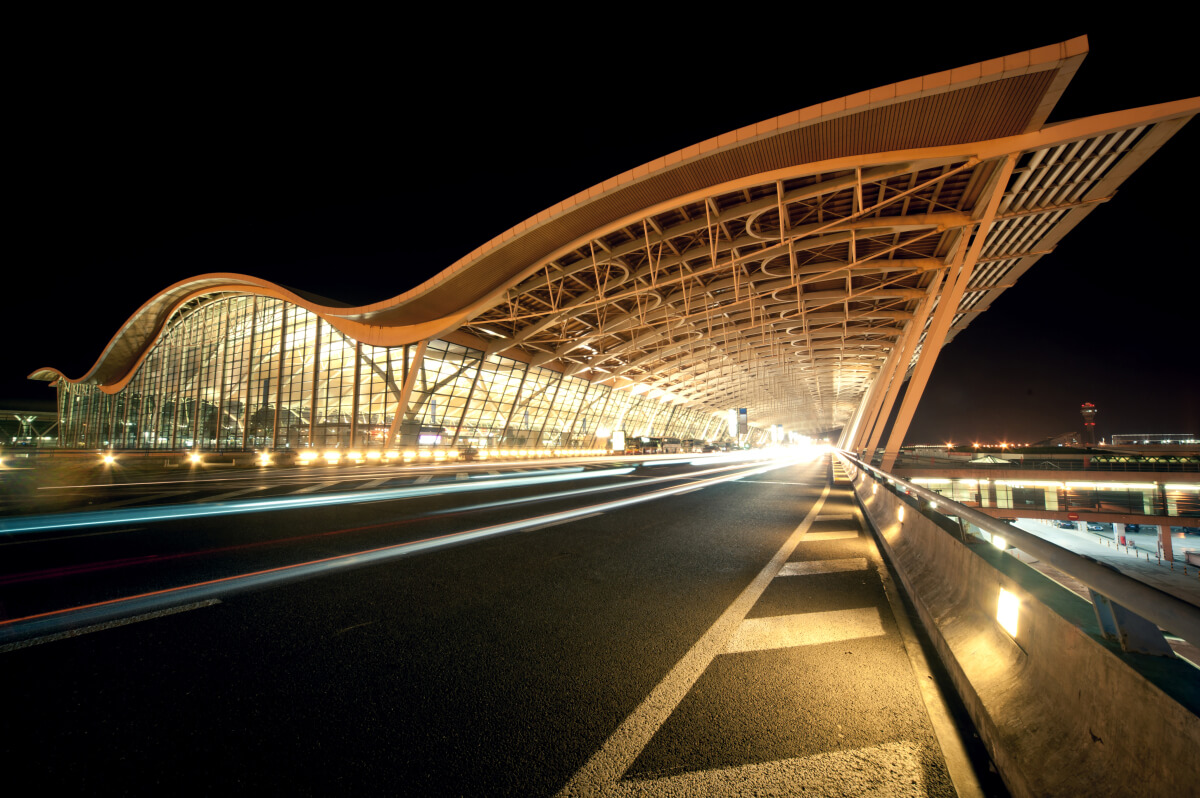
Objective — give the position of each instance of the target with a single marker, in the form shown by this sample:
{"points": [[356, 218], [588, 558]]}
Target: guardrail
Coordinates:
{"points": [[1054, 685], [1150, 603]]}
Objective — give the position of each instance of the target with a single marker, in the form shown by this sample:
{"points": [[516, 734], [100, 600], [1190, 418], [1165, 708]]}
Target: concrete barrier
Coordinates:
{"points": [[1061, 710]]}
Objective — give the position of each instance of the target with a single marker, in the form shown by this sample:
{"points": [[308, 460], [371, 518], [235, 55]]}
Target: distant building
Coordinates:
{"points": [[1062, 439], [1154, 437], [28, 428]]}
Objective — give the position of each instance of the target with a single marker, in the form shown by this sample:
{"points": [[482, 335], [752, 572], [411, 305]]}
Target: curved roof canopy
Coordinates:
{"points": [[788, 267]]}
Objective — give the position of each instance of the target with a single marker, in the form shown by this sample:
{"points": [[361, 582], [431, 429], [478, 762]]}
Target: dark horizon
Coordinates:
{"points": [[359, 188]]}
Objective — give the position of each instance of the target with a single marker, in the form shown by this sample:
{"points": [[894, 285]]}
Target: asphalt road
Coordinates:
{"points": [[731, 639]]}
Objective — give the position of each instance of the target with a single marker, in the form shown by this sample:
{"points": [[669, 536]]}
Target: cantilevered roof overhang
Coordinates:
{"points": [[801, 267]]}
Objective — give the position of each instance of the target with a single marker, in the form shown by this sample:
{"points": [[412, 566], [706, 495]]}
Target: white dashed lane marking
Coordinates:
{"points": [[807, 629], [318, 486], [823, 566], [892, 769], [816, 536]]}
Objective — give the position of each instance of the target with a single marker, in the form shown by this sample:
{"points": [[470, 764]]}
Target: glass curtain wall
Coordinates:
{"points": [[244, 372]]}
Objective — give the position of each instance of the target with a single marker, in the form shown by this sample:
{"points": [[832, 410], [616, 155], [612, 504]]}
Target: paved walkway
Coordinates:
{"points": [[1183, 581], [1133, 564]]}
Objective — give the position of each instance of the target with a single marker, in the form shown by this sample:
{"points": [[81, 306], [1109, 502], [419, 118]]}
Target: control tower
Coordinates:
{"points": [[1088, 411]]}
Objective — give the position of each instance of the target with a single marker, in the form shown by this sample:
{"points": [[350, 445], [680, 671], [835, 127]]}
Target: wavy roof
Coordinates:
{"points": [[782, 266]]}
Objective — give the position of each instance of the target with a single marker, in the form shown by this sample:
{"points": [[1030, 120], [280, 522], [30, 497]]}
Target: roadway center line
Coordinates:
{"points": [[605, 768], [100, 627]]}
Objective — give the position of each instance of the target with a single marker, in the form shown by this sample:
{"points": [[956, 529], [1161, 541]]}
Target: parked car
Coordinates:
{"points": [[1095, 526]]}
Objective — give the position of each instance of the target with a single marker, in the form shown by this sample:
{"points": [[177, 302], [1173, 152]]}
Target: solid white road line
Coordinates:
{"points": [[807, 629], [605, 767], [99, 627], [564, 521], [840, 517], [823, 566], [892, 770]]}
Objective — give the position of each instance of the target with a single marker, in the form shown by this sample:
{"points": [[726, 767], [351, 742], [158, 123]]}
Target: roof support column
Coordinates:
{"points": [[410, 378], [356, 395], [283, 321], [947, 308], [467, 403], [895, 369]]}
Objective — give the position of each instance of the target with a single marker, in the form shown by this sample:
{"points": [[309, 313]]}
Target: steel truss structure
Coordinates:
{"points": [[804, 268]]}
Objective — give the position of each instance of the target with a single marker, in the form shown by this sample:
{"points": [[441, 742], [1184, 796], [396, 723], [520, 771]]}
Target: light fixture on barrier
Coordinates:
{"points": [[1008, 608]]}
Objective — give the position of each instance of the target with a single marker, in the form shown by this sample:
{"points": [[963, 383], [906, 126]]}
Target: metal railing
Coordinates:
{"points": [[1166, 611], [1047, 463]]}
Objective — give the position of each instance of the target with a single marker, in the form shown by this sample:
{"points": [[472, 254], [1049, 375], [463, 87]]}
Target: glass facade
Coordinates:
{"points": [[238, 372]]}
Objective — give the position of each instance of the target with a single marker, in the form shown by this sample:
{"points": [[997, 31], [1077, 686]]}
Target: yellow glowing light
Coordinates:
{"points": [[409, 455], [900, 513], [1008, 608], [354, 456], [874, 488], [332, 457], [264, 459], [439, 455], [933, 505], [109, 459], [373, 455], [195, 458], [423, 453], [999, 542], [308, 457]]}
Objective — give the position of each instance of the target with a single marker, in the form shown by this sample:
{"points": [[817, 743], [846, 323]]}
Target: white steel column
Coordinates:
{"points": [[410, 379], [956, 286]]}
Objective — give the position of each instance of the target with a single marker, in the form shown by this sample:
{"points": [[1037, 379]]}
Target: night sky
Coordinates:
{"points": [[355, 169]]}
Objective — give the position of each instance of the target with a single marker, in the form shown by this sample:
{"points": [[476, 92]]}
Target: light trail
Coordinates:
{"points": [[158, 559], [56, 621], [141, 515]]}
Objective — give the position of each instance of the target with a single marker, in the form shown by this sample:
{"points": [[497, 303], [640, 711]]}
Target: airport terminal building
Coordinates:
{"points": [[236, 372], [808, 269]]}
